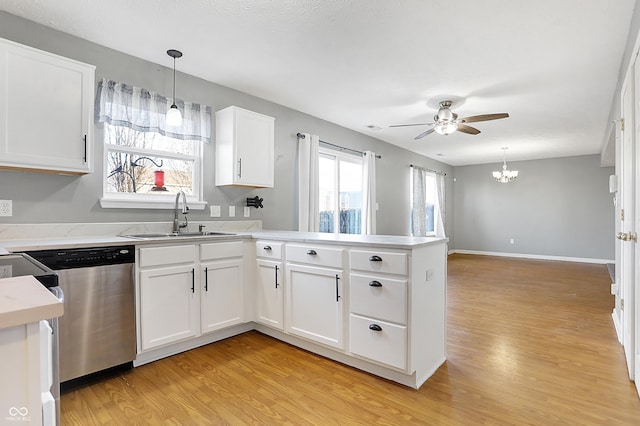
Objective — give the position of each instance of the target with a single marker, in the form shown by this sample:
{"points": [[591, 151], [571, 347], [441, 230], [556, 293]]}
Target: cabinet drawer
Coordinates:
{"points": [[315, 255], [379, 261], [220, 250], [269, 250], [378, 297], [387, 345], [153, 256]]}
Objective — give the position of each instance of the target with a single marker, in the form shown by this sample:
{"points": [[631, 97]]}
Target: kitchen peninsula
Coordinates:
{"points": [[377, 303]]}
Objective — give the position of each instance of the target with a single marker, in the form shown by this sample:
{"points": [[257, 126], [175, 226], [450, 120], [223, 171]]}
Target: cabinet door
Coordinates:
{"points": [[269, 309], [254, 149], [222, 302], [168, 305], [244, 148], [46, 111], [314, 304]]}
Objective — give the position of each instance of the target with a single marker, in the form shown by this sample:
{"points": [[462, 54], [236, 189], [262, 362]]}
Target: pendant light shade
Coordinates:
{"points": [[174, 118]]}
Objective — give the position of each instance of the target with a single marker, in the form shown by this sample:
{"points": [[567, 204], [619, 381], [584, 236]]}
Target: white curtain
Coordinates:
{"points": [[418, 211], [308, 188], [418, 207], [440, 205], [120, 104], [369, 193]]}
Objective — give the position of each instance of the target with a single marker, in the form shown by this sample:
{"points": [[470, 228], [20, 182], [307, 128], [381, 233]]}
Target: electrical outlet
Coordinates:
{"points": [[214, 211], [232, 211], [512, 241], [6, 208]]}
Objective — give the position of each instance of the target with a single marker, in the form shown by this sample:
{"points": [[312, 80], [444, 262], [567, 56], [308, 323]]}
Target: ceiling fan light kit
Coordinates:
{"points": [[447, 122], [505, 175]]}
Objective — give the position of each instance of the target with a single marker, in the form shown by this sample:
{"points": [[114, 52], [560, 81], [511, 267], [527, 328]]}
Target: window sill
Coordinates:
{"points": [[118, 203]]}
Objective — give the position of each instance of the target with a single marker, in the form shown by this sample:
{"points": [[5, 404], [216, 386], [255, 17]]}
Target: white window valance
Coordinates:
{"points": [[120, 104]]}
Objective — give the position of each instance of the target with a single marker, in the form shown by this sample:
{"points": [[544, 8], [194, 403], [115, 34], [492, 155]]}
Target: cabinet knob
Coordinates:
{"points": [[311, 252], [375, 327], [375, 284], [267, 248], [375, 259]]}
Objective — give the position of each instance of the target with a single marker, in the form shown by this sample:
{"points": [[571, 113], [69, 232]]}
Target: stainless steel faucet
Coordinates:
{"points": [[185, 209]]}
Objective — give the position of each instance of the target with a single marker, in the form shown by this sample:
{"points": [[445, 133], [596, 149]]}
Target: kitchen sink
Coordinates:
{"points": [[176, 235]]}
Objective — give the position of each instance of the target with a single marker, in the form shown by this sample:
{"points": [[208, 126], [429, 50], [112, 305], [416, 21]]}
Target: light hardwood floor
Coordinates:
{"points": [[529, 343]]}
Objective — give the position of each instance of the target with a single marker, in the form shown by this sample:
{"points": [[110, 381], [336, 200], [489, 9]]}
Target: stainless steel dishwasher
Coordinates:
{"points": [[97, 331]]}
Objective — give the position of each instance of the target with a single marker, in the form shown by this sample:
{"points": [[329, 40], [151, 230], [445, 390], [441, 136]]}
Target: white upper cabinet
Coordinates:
{"points": [[46, 111], [244, 148]]}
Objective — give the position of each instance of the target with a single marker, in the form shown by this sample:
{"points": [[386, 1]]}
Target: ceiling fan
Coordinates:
{"points": [[447, 122]]}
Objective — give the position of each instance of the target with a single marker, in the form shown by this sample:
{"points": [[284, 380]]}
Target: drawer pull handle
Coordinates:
{"points": [[267, 248], [375, 327], [311, 252], [193, 280], [277, 276], [375, 284], [206, 279], [375, 259]]}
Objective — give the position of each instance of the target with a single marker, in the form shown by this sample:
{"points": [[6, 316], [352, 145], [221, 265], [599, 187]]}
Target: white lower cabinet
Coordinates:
{"points": [[381, 309], [269, 298], [168, 295], [188, 290], [378, 306], [314, 303], [269, 284], [221, 297]]}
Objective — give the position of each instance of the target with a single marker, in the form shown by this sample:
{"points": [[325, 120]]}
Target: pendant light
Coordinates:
{"points": [[505, 176], [174, 118]]}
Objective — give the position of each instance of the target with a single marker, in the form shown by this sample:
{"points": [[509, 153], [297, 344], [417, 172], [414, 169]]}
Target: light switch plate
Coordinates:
{"points": [[214, 211], [247, 212], [232, 211]]}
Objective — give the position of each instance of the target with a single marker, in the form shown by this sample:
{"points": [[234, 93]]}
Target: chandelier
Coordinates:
{"points": [[505, 176]]}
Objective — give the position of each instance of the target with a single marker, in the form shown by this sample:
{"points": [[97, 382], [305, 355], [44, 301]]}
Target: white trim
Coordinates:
{"points": [[617, 326], [113, 203], [534, 256]]}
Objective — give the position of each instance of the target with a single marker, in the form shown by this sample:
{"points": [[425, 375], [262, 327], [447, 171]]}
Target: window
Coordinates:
{"points": [[143, 164], [423, 190], [340, 191], [146, 161]]}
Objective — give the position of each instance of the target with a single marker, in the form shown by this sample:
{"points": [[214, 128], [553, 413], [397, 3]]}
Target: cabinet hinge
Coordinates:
{"points": [[622, 215], [622, 124], [622, 304]]}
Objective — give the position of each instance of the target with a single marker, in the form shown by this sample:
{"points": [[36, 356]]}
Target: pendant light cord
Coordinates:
{"points": [[174, 80]]}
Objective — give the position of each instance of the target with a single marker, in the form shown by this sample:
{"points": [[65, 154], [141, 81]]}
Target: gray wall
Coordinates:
{"points": [[40, 198], [556, 207]]}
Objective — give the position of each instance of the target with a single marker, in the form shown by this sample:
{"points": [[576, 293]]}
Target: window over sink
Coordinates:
{"points": [[146, 161]]}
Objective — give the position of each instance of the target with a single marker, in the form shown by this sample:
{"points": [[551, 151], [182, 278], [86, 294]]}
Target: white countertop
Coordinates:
{"points": [[389, 241], [24, 300]]}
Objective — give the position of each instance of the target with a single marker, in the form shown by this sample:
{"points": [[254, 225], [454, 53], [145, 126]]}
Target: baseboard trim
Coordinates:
{"points": [[534, 256], [616, 325]]}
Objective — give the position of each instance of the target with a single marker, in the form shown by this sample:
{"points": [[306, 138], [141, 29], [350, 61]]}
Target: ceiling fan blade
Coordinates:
{"points": [[425, 133], [405, 125], [484, 117], [468, 129]]}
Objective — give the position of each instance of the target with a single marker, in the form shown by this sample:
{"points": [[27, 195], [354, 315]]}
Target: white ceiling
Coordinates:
{"points": [[552, 65]]}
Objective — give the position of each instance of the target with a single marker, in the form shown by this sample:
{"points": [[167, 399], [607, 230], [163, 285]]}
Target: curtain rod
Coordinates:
{"points": [[428, 170], [342, 148]]}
